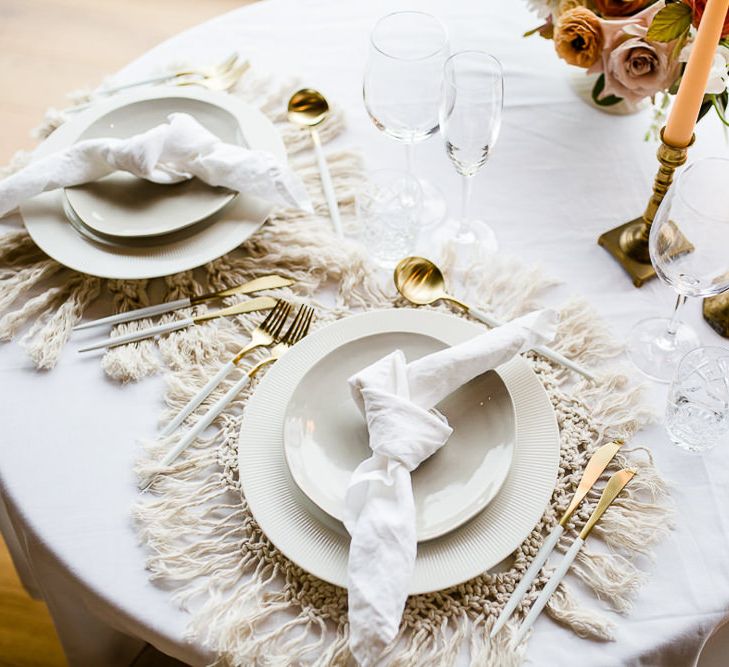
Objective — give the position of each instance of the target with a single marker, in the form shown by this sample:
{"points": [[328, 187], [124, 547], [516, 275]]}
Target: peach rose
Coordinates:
{"points": [[697, 9], [578, 37], [620, 7]]}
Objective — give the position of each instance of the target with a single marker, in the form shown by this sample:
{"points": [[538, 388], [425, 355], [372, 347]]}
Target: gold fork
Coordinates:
{"points": [[298, 329], [265, 334]]}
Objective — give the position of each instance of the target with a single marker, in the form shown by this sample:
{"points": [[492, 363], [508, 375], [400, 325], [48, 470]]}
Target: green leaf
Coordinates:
{"points": [[607, 101], [670, 23], [719, 102]]}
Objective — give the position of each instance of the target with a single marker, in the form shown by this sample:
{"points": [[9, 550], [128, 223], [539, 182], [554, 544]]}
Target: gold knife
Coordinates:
{"points": [[264, 282], [613, 488], [594, 468], [259, 303]]}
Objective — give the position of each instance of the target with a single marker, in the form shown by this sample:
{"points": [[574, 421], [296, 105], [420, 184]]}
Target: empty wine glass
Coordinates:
{"points": [[402, 84], [470, 119], [695, 211]]}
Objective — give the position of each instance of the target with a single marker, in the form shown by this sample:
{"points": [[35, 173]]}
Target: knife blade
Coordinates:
{"points": [[256, 285]]}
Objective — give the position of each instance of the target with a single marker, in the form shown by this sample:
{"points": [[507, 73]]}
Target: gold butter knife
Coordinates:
{"points": [[613, 488], [594, 468], [259, 303], [262, 283]]}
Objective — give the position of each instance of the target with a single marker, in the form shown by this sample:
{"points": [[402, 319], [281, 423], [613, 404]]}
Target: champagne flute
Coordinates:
{"points": [[470, 120], [696, 208], [402, 84]]}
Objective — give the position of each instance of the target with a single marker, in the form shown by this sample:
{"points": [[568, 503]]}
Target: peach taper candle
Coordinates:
{"points": [[685, 111]]}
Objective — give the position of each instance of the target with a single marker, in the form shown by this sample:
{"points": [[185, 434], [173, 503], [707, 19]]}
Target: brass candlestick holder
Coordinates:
{"points": [[628, 243], [716, 313]]}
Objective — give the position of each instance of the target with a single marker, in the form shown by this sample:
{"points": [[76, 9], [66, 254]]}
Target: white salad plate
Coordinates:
{"points": [[319, 543], [179, 250], [123, 205], [325, 436]]}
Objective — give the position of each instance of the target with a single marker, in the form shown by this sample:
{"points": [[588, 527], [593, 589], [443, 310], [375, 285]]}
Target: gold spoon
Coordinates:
{"points": [[308, 108], [421, 282]]}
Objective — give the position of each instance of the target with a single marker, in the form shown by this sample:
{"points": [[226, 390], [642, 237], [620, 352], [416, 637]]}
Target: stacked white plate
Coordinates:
{"points": [[477, 498], [128, 228]]}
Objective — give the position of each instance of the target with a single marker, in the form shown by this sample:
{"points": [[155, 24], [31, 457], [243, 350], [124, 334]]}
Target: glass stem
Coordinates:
{"points": [[674, 321], [465, 200], [410, 153]]}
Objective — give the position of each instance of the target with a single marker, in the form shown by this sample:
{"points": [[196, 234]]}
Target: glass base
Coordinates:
{"points": [[656, 353], [434, 205], [471, 232]]}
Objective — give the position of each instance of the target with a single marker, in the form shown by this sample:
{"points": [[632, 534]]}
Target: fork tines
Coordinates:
{"points": [[300, 326]]}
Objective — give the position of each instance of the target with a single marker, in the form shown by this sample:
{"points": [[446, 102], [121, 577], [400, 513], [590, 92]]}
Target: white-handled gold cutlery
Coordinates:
{"points": [[594, 468], [612, 489], [265, 334], [256, 285], [421, 282], [252, 305], [298, 329], [309, 108]]}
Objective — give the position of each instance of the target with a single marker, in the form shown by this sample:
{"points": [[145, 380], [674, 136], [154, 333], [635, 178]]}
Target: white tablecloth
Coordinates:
{"points": [[561, 174]]}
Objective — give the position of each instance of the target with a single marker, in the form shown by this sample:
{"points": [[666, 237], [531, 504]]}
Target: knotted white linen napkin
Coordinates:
{"points": [[397, 401], [169, 153]]}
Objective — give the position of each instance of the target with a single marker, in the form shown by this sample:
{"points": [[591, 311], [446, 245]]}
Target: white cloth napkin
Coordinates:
{"points": [[397, 400], [169, 153]]}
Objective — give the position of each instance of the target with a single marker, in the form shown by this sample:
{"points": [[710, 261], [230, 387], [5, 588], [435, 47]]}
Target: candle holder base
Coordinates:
{"points": [[614, 241], [716, 313], [626, 244]]}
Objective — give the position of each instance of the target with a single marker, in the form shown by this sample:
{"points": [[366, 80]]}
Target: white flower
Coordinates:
{"points": [[543, 8], [719, 75]]}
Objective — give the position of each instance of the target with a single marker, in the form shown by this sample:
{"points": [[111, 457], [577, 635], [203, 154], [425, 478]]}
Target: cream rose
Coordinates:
{"points": [[636, 69]]}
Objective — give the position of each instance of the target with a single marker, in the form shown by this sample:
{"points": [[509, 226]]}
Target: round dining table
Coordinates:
{"points": [[561, 173]]}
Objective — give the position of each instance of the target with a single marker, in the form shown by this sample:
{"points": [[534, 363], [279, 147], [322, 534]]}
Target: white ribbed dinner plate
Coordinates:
{"points": [[182, 250], [317, 542]]}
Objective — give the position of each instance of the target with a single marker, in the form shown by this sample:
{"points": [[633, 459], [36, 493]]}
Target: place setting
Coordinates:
{"points": [[376, 445]]}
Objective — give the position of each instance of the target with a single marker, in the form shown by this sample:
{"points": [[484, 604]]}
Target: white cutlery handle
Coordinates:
{"points": [[326, 181], [547, 352], [106, 92], [142, 334], [484, 317], [138, 314], [198, 398], [528, 578], [204, 421], [548, 589]]}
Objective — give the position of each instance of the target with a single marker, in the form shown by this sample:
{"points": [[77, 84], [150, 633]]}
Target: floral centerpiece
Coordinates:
{"points": [[637, 49]]}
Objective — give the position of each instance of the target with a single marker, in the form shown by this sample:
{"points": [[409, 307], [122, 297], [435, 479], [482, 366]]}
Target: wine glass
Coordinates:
{"points": [[695, 210], [470, 119], [402, 84]]}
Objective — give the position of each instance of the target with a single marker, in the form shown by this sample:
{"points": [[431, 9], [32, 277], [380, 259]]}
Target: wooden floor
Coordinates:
{"points": [[47, 48]]}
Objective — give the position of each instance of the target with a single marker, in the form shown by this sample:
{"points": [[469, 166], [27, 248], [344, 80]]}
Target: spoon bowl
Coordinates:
{"points": [[308, 107], [421, 282]]}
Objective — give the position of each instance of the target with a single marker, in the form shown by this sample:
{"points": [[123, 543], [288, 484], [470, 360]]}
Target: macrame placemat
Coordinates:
{"points": [[247, 602]]}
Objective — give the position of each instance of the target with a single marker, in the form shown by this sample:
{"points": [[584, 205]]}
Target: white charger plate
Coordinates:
{"points": [[53, 233], [317, 542], [325, 436], [125, 206]]}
